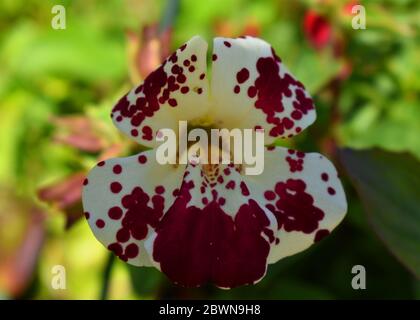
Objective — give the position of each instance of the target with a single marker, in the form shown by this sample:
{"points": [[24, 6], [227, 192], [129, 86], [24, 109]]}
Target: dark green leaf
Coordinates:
{"points": [[389, 187]]}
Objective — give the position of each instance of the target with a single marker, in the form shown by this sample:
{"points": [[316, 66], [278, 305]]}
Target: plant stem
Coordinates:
{"points": [[106, 277]]}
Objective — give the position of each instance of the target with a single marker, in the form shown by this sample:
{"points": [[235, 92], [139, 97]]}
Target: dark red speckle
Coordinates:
{"points": [[321, 234], [115, 213], [142, 159], [294, 208], [100, 223], [331, 191], [131, 251], [242, 75], [117, 169], [115, 187], [270, 89]]}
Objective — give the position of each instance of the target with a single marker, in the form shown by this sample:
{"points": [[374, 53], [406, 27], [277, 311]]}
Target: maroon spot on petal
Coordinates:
{"points": [[147, 133], [244, 189], [117, 169], [287, 123], [222, 201], [115, 213], [101, 164], [119, 119], [269, 195], [123, 235], [85, 182], [297, 115], [116, 248], [185, 90], [321, 234], [176, 69], [173, 58], [242, 75], [202, 76], [227, 251], [172, 102], [131, 251], [116, 187], [227, 44], [141, 212], [294, 164], [87, 215], [193, 58], [271, 88], [295, 209], [160, 189], [142, 159], [186, 63], [236, 89], [331, 191], [230, 185], [191, 69], [100, 223], [324, 176], [214, 57], [300, 154], [182, 48], [199, 90], [134, 132], [252, 91]]}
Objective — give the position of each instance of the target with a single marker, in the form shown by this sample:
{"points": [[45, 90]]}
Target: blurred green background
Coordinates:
{"points": [[57, 88]]}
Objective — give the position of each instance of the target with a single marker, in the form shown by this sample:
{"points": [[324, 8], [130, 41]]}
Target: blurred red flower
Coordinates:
{"points": [[317, 29]]}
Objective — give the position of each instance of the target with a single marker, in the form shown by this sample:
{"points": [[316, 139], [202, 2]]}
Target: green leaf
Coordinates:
{"points": [[145, 281], [389, 187]]}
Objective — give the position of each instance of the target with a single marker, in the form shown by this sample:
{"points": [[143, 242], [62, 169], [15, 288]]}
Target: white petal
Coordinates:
{"points": [[124, 199], [214, 232], [304, 193], [252, 88], [177, 90]]}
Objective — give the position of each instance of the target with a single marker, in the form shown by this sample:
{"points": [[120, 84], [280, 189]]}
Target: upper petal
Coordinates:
{"points": [[177, 90], [124, 199], [305, 195], [214, 232], [252, 88]]}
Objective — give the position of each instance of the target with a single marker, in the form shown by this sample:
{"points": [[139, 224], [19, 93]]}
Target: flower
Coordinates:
{"points": [[318, 30], [212, 223]]}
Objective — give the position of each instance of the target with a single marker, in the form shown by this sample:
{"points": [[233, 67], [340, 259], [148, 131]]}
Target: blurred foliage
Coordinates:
{"points": [[386, 184], [57, 88]]}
